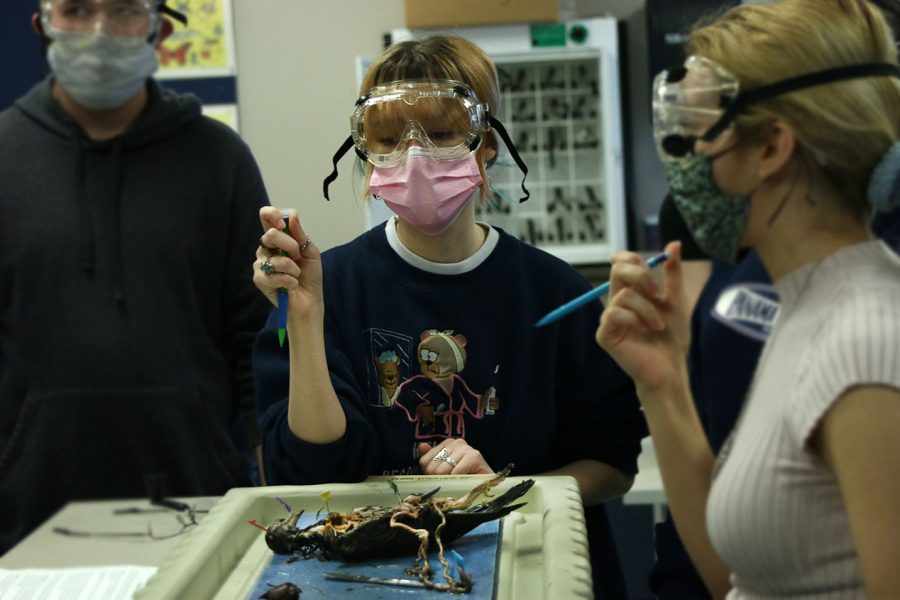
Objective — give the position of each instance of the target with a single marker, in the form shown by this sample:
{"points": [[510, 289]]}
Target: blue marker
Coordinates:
{"points": [[558, 313], [282, 302]]}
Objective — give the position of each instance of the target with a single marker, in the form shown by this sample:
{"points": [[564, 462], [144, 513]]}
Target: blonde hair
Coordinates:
{"points": [[435, 58], [846, 127]]}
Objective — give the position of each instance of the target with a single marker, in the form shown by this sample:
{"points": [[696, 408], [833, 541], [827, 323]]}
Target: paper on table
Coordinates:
{"points": [[83, 583]]}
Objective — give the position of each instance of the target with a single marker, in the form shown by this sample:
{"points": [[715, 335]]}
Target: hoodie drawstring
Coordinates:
{"points": [[116, 262], [84, 210], [88, 236]]}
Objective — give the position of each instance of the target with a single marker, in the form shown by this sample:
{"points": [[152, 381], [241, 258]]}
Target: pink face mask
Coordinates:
{"points": [[426, 193]]}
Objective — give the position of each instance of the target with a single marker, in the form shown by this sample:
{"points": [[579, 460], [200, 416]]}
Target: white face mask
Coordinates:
{"points": [[101, 71]]}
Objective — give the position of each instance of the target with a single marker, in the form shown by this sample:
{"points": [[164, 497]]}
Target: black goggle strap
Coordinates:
{"points": [[345, 147], [798, 83], [171, 12], [500, 129]]}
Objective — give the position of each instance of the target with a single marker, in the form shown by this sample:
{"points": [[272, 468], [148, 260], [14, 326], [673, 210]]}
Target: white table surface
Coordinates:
{"points": [[44, 548], [648, 487]]}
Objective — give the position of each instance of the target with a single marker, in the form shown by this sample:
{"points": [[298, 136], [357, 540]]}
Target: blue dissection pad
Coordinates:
{"points": [[478, 549]]}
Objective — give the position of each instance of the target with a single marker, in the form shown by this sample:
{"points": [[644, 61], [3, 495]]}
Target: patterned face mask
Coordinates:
{"points": [[715, 219]]}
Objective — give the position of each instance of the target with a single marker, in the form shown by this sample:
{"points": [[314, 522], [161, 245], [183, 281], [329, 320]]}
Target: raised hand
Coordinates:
{"points": [[288, 260], [644, 328]]}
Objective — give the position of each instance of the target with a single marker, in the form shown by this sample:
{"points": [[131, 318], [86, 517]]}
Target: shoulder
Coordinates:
{"points": [[37, 101], [538, 263], [8, 117], [179, 115], [367, 246], [856, 344], [217, 130], [218, 136]]}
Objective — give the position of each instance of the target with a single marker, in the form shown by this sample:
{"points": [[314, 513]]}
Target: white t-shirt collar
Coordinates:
{"points": [[456, 268]]}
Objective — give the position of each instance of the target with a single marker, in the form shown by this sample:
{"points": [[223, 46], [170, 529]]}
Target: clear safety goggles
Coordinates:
{"points": [[701, 99], [138, 19], [687, 101], [443, 118]]}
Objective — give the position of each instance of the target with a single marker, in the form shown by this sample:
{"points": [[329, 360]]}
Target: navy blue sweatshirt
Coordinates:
{"points": [[416, 356], [127, 308]]}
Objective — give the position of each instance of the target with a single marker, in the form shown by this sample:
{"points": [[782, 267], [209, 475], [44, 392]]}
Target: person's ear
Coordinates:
{"points": [[777, 150], [36, 24], [488, 150], [165, 30]]}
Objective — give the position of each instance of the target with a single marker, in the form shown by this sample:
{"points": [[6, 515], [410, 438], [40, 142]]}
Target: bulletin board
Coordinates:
{"points": [[199, 57], [203, 48]]}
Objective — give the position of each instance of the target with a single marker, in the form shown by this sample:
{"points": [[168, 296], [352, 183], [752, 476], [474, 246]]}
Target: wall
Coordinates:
{"points": [[296, 88], [21, 59]]}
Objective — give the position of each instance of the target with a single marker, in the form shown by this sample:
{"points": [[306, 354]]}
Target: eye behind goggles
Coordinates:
{"points": [[687, 101], [121, 18], [443, 118]]}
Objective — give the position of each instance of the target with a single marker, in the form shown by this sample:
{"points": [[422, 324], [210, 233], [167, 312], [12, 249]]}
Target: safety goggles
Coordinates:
{"points": [[443, 119], [701, 99], [687, 101], [138, 19]]}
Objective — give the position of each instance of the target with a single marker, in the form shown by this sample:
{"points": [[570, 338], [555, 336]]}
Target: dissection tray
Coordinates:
{"points": [[543, 549]]}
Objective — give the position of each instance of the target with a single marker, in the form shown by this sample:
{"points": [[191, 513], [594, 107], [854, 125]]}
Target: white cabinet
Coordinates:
{"points": [[561, 107]]}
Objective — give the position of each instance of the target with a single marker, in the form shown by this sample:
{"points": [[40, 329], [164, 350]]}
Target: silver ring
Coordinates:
{"points": [[267, 268], [306, 244], [450, 461], [441, 456]]}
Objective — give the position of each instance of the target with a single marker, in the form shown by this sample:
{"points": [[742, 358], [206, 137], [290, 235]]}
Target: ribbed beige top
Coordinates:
{"points": [[775, 513]]}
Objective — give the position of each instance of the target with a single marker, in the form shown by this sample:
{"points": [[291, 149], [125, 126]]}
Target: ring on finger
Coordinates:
{"points": [[267, 268], [441, 455], [450, 461], [306, 244]]}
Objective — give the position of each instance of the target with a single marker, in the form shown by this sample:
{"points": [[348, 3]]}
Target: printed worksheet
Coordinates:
{"points": [[83, 583]]}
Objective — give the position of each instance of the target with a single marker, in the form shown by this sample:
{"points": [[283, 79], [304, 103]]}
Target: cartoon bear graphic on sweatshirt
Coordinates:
{"points": [[438, 400], [388, 367]]}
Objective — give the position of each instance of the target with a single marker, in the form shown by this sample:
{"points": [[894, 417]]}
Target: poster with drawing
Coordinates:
{"points": [[203, 48]]}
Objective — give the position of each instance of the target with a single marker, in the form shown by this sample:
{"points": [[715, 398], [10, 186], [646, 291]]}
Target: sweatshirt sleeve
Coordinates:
{"points": [[245, 308], [599, 414], [290, 460]]}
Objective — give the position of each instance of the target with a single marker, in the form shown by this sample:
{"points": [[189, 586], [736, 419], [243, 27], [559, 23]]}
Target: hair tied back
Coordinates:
{"points": [[884, 184]]}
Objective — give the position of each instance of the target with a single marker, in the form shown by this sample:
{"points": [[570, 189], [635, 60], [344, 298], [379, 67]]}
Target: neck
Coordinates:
{"points": [[102, 124], [805, 232], [458, 242]]}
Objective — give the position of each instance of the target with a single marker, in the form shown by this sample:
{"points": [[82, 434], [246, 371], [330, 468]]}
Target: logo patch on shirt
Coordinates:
{"points": [[749, 308]]}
